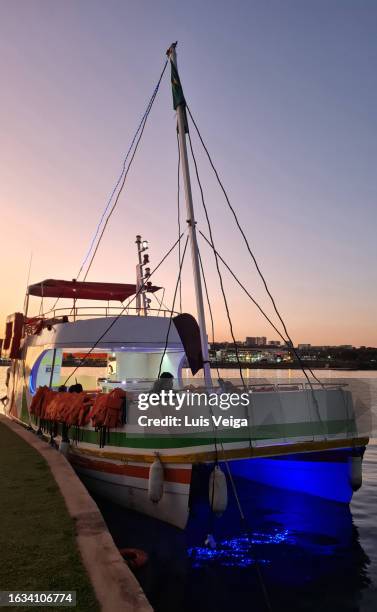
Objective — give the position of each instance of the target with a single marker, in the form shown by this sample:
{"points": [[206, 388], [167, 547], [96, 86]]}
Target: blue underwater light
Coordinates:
{"points": [[238, 551], [324, 477]]}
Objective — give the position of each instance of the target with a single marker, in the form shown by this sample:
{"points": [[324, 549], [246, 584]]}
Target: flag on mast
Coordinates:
{"points": [[178, 95]]}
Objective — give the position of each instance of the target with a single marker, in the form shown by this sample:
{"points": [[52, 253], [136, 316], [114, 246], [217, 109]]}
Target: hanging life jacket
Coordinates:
{"points": [[70, 408], [107, 409], [40, 403]]}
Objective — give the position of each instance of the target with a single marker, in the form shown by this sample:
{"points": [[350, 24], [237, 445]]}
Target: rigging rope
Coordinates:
{"points": [[272, 324], [253, 256], [173, 304], [245, 290], [217, 266], [221, 286], [209, 307], [121, 312], [179, 222], [125, 172], [160, 302]]}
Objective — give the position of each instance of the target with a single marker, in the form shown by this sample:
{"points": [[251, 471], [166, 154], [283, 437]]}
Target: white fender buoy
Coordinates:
{"points": [[156, 481], [355, 472], [218, 491], [63, 448]]}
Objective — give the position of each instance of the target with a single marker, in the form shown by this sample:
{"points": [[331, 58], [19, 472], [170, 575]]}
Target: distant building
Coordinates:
{"points": [[274, 343], [304, 347], [256, 340]]}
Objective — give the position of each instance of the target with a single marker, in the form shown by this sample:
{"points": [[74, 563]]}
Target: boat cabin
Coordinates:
{"points": [[138, 342]]}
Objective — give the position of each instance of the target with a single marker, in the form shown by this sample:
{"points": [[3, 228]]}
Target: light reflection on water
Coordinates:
{"points": [[351, 569], [239, 550]]}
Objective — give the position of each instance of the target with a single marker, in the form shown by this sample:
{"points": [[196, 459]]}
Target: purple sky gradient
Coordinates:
{"points": [[285, 94]]}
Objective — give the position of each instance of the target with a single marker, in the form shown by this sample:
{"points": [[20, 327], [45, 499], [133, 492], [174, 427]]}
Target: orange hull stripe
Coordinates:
{"points": [[183, 476]]}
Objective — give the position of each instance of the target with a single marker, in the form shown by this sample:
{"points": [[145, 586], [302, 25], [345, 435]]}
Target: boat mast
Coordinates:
{"points": [[182, 129]]}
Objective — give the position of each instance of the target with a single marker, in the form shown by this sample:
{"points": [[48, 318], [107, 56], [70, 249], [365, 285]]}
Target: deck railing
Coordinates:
{"points": [[65, 315], [254, 387], [106, 311]]}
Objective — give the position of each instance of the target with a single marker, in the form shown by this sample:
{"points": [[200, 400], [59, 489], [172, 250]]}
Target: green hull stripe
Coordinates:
{"points": [[262, 432]]}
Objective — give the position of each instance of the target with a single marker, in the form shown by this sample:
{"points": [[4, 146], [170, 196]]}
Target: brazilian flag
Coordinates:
{"points": [[178, 95]]}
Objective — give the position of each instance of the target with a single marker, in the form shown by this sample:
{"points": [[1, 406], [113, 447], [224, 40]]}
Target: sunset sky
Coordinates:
{"points": [[285, 94]]}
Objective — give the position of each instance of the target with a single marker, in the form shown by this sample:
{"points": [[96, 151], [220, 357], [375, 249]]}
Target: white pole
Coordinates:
{"points": [[140, 293], [26, 300], [192, 232]]}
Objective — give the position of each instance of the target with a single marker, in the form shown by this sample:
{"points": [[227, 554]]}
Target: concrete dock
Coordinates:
{"points": [[52, 534]]}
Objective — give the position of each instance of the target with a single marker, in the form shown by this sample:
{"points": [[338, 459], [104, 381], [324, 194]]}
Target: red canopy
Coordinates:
{"points": [[84, 290]]}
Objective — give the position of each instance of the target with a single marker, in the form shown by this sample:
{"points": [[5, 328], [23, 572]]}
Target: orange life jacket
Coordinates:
{"points": [[107, 409], [69, 408], [40, 402], [79, 408]]}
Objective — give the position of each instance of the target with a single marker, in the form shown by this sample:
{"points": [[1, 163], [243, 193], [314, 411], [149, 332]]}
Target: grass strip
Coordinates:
{"points": [[38, 550]]}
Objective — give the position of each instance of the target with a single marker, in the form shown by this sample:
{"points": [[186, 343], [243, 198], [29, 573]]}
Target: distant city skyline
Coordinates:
{"points": [[285, 95], [276, 344]]}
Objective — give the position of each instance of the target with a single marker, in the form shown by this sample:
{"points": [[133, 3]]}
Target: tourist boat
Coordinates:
{"points": [[301, 438]]}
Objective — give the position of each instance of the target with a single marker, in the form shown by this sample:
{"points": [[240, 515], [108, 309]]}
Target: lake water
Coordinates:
{"points": [[303, 568]]}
